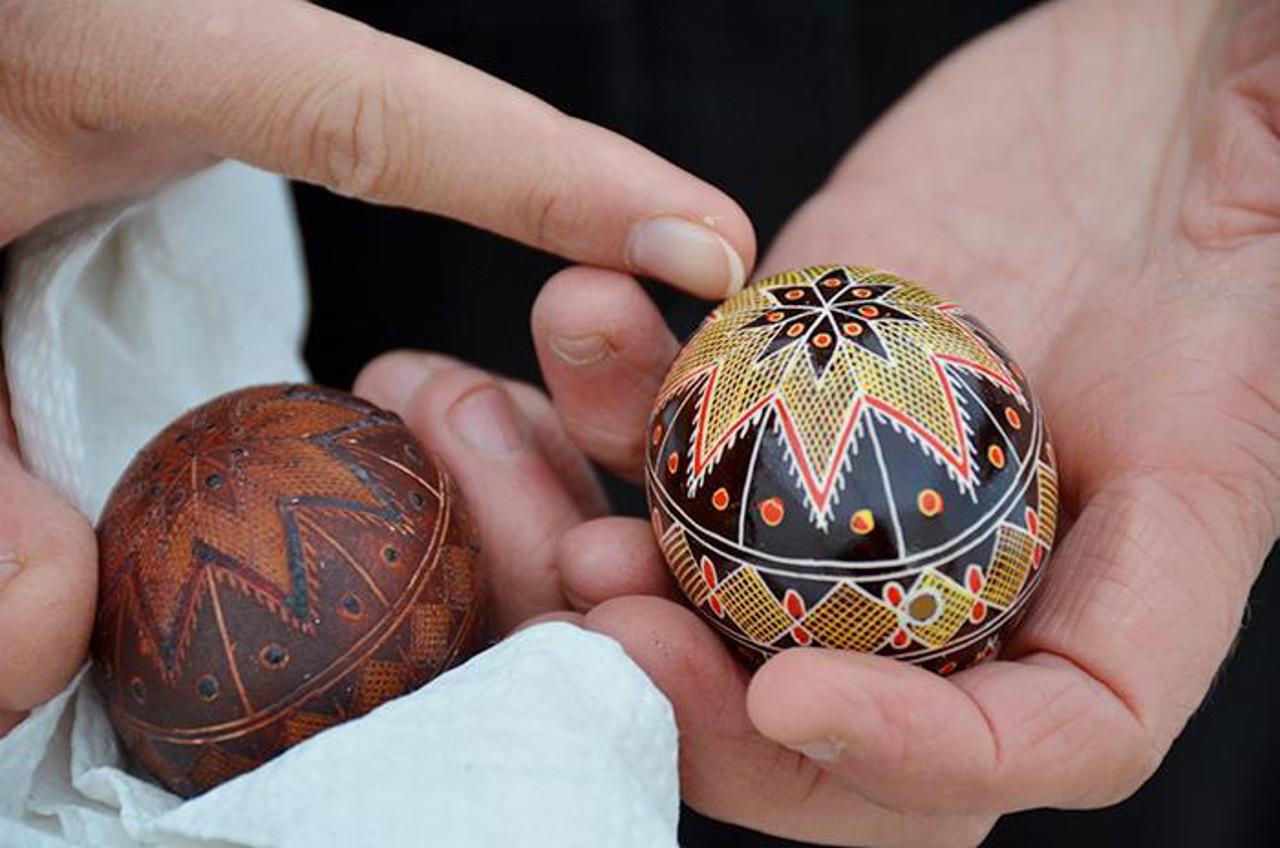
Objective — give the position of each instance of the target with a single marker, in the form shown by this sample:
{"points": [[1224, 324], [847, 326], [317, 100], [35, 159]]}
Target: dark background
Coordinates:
{"points": [[759, 98]]}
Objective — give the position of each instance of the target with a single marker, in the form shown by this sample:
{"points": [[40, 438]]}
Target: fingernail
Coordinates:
{"points": [[398, 378], [685, 253], [823, 751], [8, 568], [484, 420], [579, 350]]}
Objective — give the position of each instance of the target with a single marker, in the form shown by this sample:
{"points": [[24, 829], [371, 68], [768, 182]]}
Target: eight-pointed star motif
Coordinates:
{"points": [[901, 367], [831, 312]]}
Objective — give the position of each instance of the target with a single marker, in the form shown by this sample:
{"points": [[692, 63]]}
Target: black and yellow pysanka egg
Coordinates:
{"points": [[840, 458]]}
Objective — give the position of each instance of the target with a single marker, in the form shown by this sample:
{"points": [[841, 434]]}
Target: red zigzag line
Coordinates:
{"points": [[819, 489]]}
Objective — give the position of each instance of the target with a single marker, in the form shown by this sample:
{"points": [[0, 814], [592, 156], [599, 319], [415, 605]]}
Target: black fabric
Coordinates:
{"points": [[760, 98]]}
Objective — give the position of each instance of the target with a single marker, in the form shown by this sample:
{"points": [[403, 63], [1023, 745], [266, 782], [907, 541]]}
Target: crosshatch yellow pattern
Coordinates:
{"points": [[675, 547], [748, 601], [907, 381], [957, 602], [851, 620], [1048, 515], [1010, 563]]}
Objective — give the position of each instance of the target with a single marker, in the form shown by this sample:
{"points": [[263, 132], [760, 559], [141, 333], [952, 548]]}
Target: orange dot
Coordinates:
{"points": [[773, 317], [929, 502], [1011, 415], [673, 462], [794, 294], [795, 329], [772, 511], [821, 340], [862, 522], [853, 328], [657, 434], [720, 498], [832, 282], [995, 454], [862, 292], [868, 311]]}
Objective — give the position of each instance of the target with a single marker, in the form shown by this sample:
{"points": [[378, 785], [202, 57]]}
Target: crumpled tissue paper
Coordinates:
{"points": [[117, 320]]}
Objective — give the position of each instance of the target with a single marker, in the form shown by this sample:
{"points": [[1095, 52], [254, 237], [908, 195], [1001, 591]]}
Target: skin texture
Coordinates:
{"points": [[101, 102], [1100, 183]]}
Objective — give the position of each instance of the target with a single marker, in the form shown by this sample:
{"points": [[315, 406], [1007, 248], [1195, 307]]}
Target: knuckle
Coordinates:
{"points": [[554, 210], [347, 134]]}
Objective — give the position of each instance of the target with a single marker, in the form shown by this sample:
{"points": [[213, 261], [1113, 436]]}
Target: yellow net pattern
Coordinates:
{"points": [[851, 620], [907, 381], [675, 547], [750, 604], [1010, 564], [1048, 482]]}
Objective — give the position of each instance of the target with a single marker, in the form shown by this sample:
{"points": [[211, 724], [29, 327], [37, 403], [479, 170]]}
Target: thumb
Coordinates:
{"points": [[296, 89], [48, 584]]}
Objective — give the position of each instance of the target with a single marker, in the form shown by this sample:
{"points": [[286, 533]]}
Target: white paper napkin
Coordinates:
{"points": [[116, 321]]}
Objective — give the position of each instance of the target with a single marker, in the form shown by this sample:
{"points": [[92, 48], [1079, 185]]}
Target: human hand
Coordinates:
{"points": [[99, 101], [1100, 183], [525, 482], [103, 101]]}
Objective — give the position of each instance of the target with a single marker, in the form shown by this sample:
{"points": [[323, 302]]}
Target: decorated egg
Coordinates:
{"points": [[274, 562], [839, 458]]}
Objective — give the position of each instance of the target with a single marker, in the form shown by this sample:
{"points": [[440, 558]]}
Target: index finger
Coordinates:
{"points": [[309, 93]]}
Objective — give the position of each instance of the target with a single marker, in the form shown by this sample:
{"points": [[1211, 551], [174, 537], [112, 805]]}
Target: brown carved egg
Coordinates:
{"points": [[839, 458], [274, 562]]}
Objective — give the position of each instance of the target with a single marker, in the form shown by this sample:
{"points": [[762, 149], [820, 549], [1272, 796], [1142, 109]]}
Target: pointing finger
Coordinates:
{"points": [[311, 94]]}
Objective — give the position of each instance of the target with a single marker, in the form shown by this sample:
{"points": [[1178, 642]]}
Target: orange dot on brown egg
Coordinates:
{"points": [[862, 292], [795, 329], [1011, 415], [868, 311], [657, 434], [929, 503], [673, 462], [995, 455], [773, 317], [794, 294], [720, 498], [772, 511], [821, 340], [853, 328]]}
